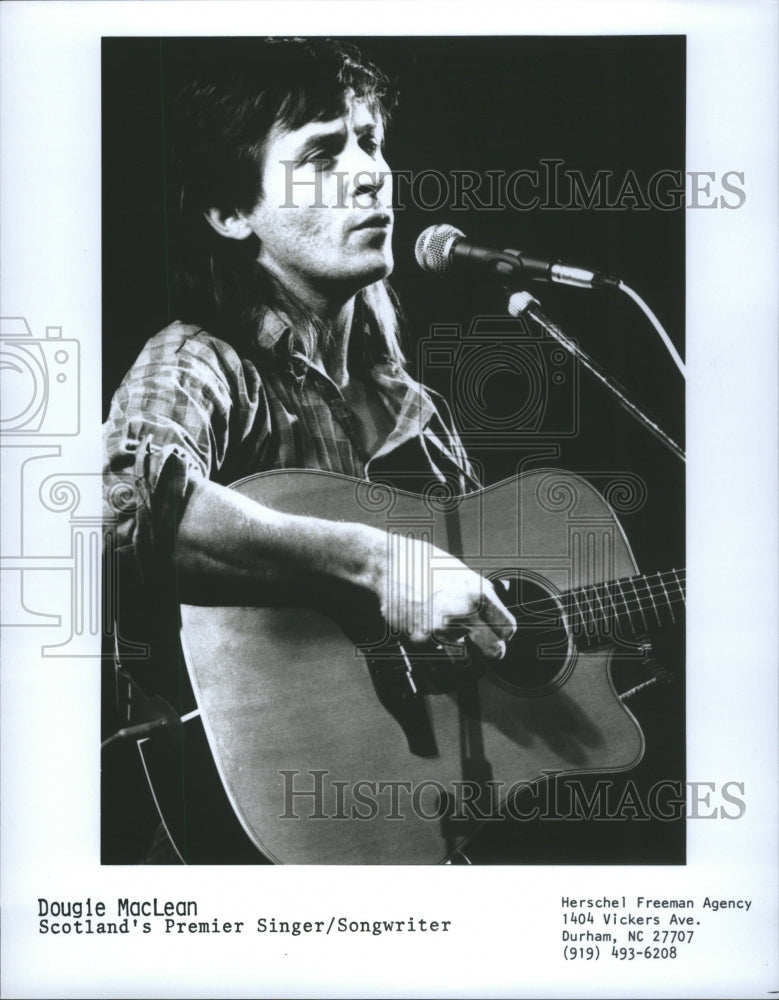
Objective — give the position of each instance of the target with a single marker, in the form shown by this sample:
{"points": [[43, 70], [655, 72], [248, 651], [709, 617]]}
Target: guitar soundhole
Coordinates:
{"points": [[538, 659]]}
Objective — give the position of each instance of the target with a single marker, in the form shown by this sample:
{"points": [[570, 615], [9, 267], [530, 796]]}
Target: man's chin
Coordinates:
{"points": [[381, 269]]}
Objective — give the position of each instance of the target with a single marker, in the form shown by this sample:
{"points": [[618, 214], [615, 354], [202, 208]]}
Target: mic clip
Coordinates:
{"points": [[557, 272]]}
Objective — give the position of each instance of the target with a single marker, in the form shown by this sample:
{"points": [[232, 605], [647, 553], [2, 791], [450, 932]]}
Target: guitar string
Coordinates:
{"points": [[656, 590], [620, 584], [591, 620], [538, 608]]}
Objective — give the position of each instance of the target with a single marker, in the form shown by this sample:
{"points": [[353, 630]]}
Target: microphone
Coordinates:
{"points": [[443, 249]]}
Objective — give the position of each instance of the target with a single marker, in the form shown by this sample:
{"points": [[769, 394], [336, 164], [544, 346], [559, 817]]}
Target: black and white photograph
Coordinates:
{"points": [[380, 345], [371, 387]]}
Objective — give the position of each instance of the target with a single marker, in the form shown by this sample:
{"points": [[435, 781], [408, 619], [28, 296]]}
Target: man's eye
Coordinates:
{"points": [[371, 146], [321, 161]]}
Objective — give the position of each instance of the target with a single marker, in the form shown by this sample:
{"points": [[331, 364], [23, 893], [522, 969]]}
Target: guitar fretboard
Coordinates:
{"points": [[628, 607]]}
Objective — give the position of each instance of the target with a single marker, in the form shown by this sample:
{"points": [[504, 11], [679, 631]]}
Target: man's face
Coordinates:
{"points": [[324, 220]]}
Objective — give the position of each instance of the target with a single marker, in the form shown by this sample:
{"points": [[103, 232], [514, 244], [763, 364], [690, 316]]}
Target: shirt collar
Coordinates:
{"points": [[274, 334], [408, 402]]}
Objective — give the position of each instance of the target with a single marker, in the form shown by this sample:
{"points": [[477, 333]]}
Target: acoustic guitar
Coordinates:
{"points": [[339, 743]]}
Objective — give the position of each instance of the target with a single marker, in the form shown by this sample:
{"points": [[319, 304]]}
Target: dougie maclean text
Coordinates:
{"points": [[142, 916], [90, 916]]}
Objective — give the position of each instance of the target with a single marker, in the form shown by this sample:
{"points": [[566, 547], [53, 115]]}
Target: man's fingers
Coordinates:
{"points": [[461, 603], [488, 638], [485, 640], [496, 615]]}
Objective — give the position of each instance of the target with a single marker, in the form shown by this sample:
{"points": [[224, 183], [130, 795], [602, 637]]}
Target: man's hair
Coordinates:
{"points": [[217, 126]]}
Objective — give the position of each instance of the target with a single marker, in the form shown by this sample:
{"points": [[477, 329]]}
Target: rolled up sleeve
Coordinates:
{"points": [[186, 403]]}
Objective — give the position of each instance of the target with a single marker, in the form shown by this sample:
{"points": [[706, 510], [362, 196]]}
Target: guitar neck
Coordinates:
{"points": [[628, 607]]}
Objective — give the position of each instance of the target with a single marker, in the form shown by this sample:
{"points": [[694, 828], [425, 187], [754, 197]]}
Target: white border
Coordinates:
{"points": [[506, 941]]}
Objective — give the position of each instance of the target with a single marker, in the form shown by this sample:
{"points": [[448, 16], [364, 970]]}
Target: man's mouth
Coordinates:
{"points": [[379, 220]]}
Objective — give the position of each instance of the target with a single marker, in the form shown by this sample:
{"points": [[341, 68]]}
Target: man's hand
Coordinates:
{"points": [[425, 594]]}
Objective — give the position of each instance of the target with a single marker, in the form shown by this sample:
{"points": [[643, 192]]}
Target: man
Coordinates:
{"points": [[285, 353]]}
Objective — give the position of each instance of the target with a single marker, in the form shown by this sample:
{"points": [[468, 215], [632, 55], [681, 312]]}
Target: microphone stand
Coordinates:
{"points": [[523, 304]]}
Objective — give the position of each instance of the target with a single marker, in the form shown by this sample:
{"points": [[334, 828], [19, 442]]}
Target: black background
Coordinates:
{"points": [[498, 104]]}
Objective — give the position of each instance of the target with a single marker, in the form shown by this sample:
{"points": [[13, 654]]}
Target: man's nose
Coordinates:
{"points": [[370, 176], [368, 182]]}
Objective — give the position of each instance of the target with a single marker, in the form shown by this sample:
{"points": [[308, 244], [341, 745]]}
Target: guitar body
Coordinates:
{"points": [[336, 747]]}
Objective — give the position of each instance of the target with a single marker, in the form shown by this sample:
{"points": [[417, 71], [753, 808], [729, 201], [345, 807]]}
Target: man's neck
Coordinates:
{"points": [[338, 316], [335, 363]]}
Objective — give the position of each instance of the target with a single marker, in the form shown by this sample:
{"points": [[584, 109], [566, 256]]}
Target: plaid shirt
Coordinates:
{"points": [[192, 408]]}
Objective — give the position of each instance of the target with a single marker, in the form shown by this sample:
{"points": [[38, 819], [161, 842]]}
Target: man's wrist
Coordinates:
{"points": [[363, 556]]}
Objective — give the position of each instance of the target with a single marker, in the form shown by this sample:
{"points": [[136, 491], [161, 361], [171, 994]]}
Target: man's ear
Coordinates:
{"points": [[234, 226]]}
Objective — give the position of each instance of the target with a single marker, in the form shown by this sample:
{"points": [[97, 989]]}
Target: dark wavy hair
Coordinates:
{"points": [[228, 98]]}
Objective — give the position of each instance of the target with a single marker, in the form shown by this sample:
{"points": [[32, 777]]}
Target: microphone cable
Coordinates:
{"points": [[656, 324]]}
